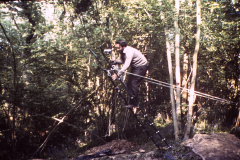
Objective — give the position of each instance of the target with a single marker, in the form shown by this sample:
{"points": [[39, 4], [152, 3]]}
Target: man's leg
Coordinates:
{"points": [[134, 83], [129, 87]]}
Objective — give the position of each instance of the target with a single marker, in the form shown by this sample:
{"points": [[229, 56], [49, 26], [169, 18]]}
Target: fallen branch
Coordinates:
{"points": [[62, 121], [59, 120]]}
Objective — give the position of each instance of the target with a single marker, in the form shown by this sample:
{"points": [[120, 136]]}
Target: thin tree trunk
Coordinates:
{"points": [[238, 93], [191, 99], [177, 61], [184, 85], [169, 59], [185, 78]]}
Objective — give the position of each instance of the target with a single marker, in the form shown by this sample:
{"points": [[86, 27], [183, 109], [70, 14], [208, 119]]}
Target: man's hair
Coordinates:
{"points": [[121, 42]]}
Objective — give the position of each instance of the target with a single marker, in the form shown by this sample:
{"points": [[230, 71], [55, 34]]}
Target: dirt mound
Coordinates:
{"points": [[201, 146], [118, 150], [122, 149], [116, 146]]}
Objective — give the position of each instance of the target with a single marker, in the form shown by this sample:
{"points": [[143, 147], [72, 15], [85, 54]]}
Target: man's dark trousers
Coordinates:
{"points": [[134, 83]]}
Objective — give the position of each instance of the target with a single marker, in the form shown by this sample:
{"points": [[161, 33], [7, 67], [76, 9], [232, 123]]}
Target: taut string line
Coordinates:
{"points": [[164, 84]]}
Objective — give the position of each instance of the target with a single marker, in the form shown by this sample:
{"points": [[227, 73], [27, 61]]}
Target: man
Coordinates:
{"points": [[130, 56]]}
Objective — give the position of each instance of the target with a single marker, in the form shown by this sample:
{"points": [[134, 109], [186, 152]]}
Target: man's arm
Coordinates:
{"points": [[117, 61], [127, 63]]}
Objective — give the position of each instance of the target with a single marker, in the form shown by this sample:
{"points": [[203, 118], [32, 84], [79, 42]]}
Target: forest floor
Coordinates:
{"points": [[123, 149], [221, 146]]}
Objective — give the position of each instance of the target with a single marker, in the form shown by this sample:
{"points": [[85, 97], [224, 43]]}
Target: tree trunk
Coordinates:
{"points": [[169, 59], [184, 85], [177, 62], [185, 78], [191, 99]]}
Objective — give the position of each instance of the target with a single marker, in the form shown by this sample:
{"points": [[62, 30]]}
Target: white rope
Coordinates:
{"points": [[164, 84]]}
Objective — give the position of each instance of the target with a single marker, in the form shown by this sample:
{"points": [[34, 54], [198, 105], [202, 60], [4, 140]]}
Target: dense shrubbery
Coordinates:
{"points": [[46, 69]]}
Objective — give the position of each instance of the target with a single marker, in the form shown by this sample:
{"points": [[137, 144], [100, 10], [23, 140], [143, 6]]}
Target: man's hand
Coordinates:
{"points": [[112, 60], [114, 76]]}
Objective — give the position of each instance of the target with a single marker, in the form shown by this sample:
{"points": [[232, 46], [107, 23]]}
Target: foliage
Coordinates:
{"points": [[46, 68]]}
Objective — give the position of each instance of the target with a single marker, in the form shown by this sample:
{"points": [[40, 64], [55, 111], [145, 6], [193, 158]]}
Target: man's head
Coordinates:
{"points": [[120, 45]]}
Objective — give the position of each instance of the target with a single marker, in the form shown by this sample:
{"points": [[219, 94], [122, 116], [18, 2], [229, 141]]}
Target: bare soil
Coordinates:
{"points": [[116, 146], [201, 146], [123, 149]]}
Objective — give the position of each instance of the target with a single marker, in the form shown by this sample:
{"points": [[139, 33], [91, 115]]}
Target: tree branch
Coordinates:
{"points": [[62, 121]]}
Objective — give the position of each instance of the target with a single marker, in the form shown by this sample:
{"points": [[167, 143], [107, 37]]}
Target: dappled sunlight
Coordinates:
{"points": [[56, 100]]}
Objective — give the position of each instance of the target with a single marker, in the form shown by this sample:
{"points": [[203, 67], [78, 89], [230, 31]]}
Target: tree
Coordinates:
{"points": [[46, 67], [175, 122], [177, 63], [169, 60], [193, 79]]}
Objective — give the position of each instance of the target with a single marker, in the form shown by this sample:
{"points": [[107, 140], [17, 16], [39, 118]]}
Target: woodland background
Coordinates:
{"points": [[47, 72]]}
